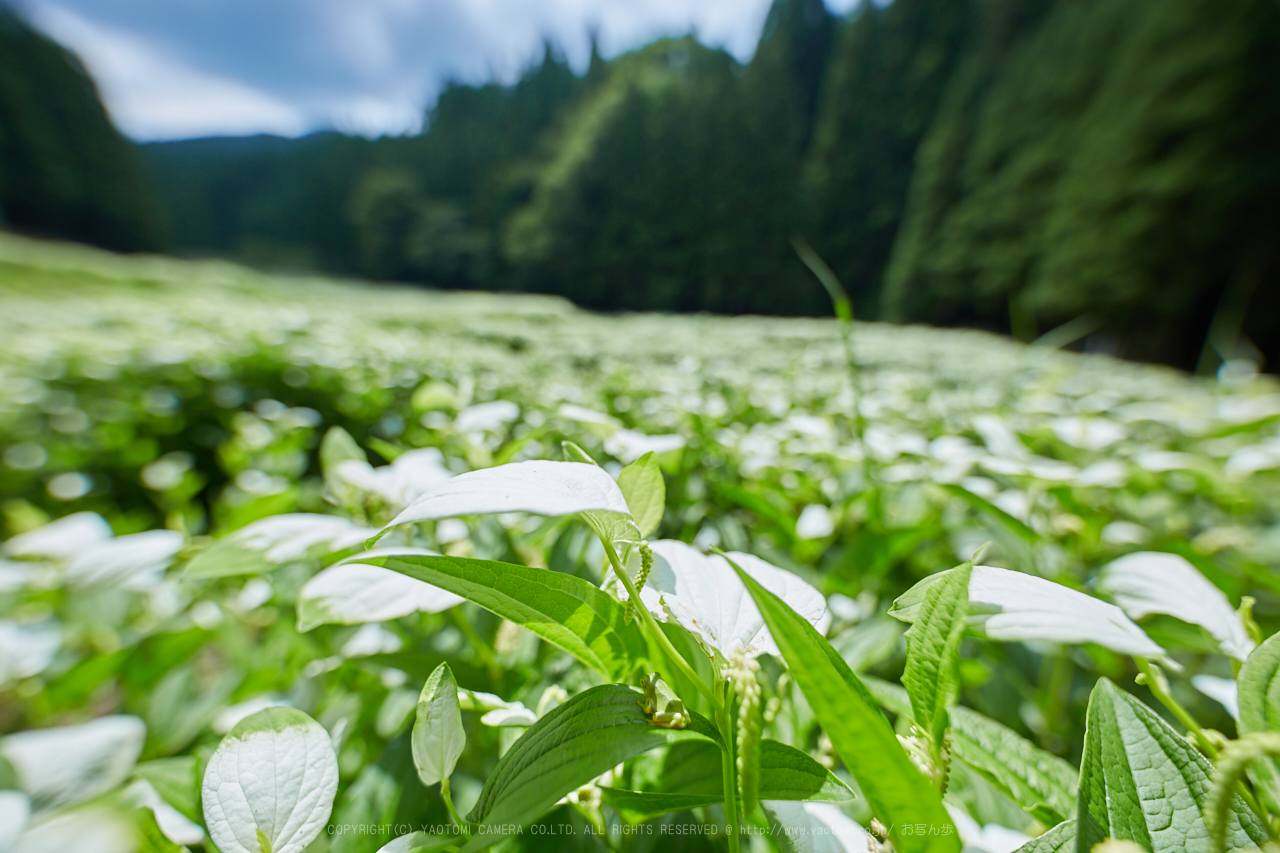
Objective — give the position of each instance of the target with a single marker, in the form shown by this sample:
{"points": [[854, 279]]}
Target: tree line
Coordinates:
{"points": [[1100, 170]]}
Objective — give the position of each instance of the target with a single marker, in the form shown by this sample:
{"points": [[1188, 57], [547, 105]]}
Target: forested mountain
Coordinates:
{"points": [[64, 170], [1011, 164]]}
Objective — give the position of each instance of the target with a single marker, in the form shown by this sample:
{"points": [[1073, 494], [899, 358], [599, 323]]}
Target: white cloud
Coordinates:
{"points": [[152, 94]]}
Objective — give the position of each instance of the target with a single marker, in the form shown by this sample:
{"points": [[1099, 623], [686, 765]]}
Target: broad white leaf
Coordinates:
{"points": [[1007, 605], [371, 639], [815, 522], [438, 736], [62, 538], [92, 829], [135, 562], [291, 536], [520, 716], [270, 784], [403, 481], [628, 445], [15, 811], [1149, 582], [486, 416], [1088, 433], [814, 828], [173, 823], [351, 593], [705, 596], [539, 487], [69, 764], [1011, 605], [27, 650], [473, 700], [1221, 690]]}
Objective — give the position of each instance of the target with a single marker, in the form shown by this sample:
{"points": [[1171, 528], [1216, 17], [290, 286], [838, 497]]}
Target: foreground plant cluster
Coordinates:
{"points": [[291, 565]]}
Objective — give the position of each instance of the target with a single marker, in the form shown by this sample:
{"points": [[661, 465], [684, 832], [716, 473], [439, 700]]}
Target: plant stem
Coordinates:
{"points": [[448, 803], [729, 770], [652, 624], [1159, 686], [1155, 681]]}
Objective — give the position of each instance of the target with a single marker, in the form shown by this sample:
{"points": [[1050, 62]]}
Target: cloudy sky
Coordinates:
{"points": [[170, 69]]}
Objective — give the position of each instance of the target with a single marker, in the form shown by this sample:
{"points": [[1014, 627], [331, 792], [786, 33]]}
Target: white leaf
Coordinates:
{"points": [[628, 445], [292, 536], [814, 828], [371, 639], [62, 538], [473, 700], [352, 592], [991, 838], [518, 716], [1011, 605], [537, 487], [272, 780], [135, 562], [1088, 433], [486, 416], [705, 596], [438, 736], [1221, 690], [173, 823], [68, 764], [15, 811], [88, 830], [1150, 582], [403, 481], [815, 522], [27, 650]]}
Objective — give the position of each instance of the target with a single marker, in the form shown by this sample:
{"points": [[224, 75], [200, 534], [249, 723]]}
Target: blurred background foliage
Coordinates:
{"points": [[1103, 168]]}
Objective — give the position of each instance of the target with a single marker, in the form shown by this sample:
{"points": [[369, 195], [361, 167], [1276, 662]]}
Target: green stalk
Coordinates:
{"points": [[448, 803], [729, 770], [652, 624], [1159, 686]]}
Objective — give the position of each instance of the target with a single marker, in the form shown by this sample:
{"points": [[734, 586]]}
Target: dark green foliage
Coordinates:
{"points": [[64, 170], [888, 69], [273, 201], [1114, 158]]}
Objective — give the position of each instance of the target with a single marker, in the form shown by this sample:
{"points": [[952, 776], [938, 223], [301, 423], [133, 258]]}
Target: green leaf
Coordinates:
{"points": [[896, 791], [932, 675], [573, 744], [1258, 686], [564, 610], [1060, 839], [1141, 781], [176, 782], [986, 507], [337, 447], [1040, 782], [438, 736], [228, 557], [693, 776], [646, 492]]}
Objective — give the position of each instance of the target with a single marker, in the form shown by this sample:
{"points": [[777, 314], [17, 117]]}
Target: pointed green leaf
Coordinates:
{"points": [[438, 736], [1258, 686], [1141, 781], [562, 609], [896, 791], [1060, 839], [693, 776], [1039, 781], [573, 744], [646, 492], [932, 675]]}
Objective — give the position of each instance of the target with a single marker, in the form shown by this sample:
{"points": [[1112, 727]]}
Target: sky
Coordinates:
{"points": [[173, 69]]}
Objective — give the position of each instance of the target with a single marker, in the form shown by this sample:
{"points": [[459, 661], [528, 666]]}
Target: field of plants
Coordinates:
{"points": [[292, 564]]}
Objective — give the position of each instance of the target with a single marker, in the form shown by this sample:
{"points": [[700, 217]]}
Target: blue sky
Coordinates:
{"points": [[169, 69]]}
